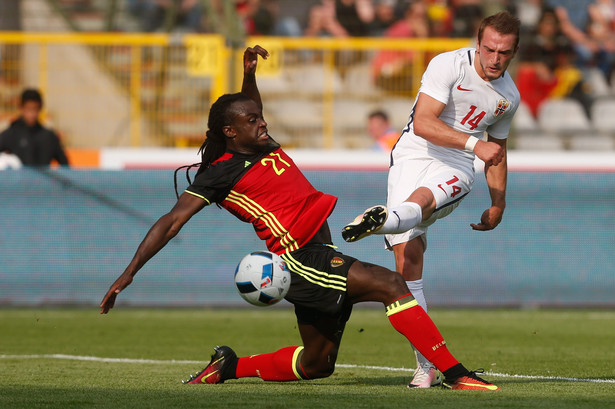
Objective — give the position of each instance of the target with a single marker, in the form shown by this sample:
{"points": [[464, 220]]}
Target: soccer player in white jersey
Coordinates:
{"points": [[463, 94]]}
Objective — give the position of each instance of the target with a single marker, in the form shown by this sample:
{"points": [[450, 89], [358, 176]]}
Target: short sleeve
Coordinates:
{"points": [[211, 185], [501, 128], [440, 77]]}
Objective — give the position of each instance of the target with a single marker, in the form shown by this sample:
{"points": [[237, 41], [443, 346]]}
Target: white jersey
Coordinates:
{"points": [[473, 106]]}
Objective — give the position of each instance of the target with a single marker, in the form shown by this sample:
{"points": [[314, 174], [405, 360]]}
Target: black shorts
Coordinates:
{"points": [[318, 282]]}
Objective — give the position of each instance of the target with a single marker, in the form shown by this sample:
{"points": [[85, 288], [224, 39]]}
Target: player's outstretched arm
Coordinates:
{"points": [[428, 125], [250, 60], [158, 236], [497, 177]]}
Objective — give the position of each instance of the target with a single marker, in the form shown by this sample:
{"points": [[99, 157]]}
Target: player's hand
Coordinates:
{"points": [[109, 301], [250, 58], [490, 219], [489, 152]]}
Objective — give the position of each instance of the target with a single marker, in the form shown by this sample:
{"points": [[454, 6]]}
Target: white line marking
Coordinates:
{"points": [[350, 366], [494, 374]]}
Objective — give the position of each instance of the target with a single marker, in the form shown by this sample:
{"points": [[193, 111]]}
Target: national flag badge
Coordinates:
{"points": [[503, 105], [337, 261]]}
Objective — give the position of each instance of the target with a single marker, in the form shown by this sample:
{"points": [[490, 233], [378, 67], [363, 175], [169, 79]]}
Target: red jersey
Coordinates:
{"points": [[268, 191]]}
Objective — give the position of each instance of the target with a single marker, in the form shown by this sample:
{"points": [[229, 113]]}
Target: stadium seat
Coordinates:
{"points": [[314, 79], [603, 115], [563, 116], [398, 110], [300, 112], [597, 81], [538, 142], [592, 142], [350, 113], [359, 82], [523, 121], [276, 85]]}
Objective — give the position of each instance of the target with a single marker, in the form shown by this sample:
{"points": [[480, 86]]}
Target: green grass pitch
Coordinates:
{"points": [[59, 358]]}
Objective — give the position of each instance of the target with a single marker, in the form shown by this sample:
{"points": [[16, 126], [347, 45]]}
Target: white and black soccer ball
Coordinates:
{"points": [[262, 278]]}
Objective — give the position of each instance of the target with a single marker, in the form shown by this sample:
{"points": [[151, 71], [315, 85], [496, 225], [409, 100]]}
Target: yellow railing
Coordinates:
{"points": [[116, 90], [358, 75], [155, 90]]}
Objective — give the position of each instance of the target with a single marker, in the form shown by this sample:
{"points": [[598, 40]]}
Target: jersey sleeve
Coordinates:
{"points": [[211, 184], [440, 77], [501, 128]]}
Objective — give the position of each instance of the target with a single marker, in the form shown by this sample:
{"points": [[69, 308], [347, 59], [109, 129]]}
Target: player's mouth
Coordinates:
{"points": [[263, 135]]}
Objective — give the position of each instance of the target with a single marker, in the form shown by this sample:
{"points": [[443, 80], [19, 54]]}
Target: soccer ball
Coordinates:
{"points": [[262, 278]]}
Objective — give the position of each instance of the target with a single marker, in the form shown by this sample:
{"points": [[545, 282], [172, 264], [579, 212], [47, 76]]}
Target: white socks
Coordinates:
{"points": [[402, 218], [416, 288]]}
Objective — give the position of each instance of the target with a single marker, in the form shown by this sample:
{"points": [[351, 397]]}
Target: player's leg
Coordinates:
{"points": [[321, 335], [417, 194], [374, 283], [393, 220], [321, 339], [409, 202], [367, 282], [409, 263]]}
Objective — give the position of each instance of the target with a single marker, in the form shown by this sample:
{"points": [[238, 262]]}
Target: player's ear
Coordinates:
{"points": [[229, 132]]}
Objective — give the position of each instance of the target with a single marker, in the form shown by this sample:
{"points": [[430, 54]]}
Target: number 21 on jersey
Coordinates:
{"points": [[279, 165]]}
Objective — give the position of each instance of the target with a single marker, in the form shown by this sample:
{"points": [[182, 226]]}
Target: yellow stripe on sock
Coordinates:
{"points": [[296, 362], [400, 305]]}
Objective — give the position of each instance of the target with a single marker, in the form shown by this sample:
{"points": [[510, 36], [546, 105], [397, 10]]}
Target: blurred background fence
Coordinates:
{"points": [[107, 89], [66, 235]]}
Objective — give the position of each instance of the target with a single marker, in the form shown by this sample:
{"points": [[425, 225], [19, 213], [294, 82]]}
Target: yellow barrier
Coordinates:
{"points": [[155, 90], [115, 90], [321, 90]]}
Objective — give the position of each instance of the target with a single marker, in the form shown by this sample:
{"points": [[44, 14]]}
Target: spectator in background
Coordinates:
{"points": [[467, 15], [577, 10], [380, 129], [596, 45], [392, 69], [154, 14], [529, 12], [546, 53], [340, 18], [265, 17], [384, 17], [440, 18], [27, 139]]}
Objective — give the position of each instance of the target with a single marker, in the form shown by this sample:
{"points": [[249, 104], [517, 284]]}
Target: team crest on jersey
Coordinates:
{"points": [[503, 105], [337, 261]]}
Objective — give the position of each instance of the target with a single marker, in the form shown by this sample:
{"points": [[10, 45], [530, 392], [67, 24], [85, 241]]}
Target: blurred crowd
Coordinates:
{"points": [[567, 46]]}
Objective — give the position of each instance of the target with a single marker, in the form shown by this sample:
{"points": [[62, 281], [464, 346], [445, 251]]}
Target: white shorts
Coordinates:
{"points": [[448, 184]]}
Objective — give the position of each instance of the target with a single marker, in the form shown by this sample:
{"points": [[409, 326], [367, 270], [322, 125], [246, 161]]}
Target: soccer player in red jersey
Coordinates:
{"points": [[245, 171]]}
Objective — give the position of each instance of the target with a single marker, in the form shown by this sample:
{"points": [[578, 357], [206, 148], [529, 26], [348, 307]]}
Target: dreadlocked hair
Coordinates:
{"points": [[214, 146], [220, 115]]}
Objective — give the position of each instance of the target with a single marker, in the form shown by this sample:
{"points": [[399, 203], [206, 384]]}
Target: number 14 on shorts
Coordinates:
{"points": [[451, 189]]}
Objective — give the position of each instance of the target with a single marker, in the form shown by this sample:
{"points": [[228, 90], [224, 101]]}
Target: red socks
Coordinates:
{"points": [[406, 316], [409, 318], [282, 365]]}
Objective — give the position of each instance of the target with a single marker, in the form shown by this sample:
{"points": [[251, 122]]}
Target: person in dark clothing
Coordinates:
{"points": [[27, 139]]}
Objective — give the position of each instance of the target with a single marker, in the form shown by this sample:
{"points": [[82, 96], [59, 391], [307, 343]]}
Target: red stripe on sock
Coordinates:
{"points": [[275, 366]]}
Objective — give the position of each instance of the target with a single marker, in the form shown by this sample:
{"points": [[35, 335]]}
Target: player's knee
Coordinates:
{"points": [[396, 283], [319, 370]]}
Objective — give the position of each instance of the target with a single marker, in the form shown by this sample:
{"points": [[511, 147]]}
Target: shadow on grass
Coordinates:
{"points": [[359, 392]]}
